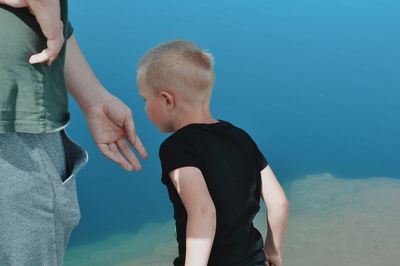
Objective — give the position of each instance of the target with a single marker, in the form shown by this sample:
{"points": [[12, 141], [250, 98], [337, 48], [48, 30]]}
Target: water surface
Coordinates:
{"points": [[316, 83]]}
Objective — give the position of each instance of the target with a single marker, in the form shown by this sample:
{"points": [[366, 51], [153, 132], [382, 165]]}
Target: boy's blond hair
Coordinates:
{"points": [[178, 66]]}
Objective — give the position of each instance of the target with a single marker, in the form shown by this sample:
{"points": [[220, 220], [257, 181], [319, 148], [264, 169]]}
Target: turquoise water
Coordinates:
{"points": [[316, 83]]}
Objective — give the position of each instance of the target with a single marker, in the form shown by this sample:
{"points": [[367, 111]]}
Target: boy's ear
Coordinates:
{"points": [[168, 99]]}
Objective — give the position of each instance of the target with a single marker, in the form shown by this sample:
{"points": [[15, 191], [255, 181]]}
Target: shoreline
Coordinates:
{"points": [[332, 221]]}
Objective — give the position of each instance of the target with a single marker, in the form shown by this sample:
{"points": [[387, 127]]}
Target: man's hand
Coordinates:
{"points": [[15, 3], [110, 121], [111, 124], [49, 54], [47, 14]]}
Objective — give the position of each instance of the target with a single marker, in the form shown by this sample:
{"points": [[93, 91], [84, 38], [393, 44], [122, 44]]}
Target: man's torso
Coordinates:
{"points": [[33, 98]]}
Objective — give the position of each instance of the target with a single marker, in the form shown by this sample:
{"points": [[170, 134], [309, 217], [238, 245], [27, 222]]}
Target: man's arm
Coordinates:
{"points": [[277, 220], [110, 121], [47, 14], [201, 221]]}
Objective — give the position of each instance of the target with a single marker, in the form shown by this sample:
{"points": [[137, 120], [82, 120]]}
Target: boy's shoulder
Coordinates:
{"points": [[192, 130], [191, 134], [195, 142], [177, 139]]}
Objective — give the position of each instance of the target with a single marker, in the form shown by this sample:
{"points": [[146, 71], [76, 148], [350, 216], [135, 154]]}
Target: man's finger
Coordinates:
{"points": [[51, 60], [14, 3], [48, 55], [111, 152], [39, 58], [139, 147], [127, 152], [129, 128], [121, 159]]}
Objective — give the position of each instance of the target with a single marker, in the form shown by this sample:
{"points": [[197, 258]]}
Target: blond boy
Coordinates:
{"points": [[214, 172]]}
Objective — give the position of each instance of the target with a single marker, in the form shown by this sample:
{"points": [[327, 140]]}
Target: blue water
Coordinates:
{"points": [[316, 83]]}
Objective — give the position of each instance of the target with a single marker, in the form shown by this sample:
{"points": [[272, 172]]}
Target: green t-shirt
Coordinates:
{"points": [[33, 98]]}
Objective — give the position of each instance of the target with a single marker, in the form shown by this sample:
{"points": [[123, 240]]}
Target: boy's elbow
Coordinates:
{"points": [[281, 204], [285, 204], [209, 211], [211, 217], [204, 212]]}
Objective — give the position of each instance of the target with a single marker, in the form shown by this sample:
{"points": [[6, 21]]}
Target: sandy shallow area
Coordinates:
{"points": [[332, 222]]}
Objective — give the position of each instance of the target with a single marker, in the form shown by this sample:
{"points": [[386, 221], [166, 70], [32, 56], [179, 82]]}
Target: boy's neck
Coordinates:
{"points": [[194, 116]]}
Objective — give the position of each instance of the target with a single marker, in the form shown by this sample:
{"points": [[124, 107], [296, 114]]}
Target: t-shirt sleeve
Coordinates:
{"points": [[69, 30], [260, 160], [176, 153]]}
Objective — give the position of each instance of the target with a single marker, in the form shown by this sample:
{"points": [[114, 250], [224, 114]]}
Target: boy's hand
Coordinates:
{"points": [[273, 260], [47, 14]]}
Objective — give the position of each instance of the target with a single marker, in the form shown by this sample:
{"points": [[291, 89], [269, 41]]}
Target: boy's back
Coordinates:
{"points": [[231, 164], [214, 172]]}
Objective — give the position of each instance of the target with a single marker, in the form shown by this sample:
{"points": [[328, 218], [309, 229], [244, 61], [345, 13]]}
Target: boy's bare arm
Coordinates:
{"points": [[110, 121], [47, 14], [201, 221], [277, 220]]}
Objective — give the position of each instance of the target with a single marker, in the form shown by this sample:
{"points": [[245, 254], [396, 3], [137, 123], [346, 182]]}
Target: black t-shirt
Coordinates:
{"points": [[230, 162]]}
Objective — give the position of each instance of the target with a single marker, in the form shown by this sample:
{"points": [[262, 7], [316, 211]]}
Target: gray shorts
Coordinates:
{"points": [[38, 210]]}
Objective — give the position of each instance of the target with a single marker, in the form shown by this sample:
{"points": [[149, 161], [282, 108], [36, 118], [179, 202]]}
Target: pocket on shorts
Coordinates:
{"points": [[75, 155], [66, 195]]}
